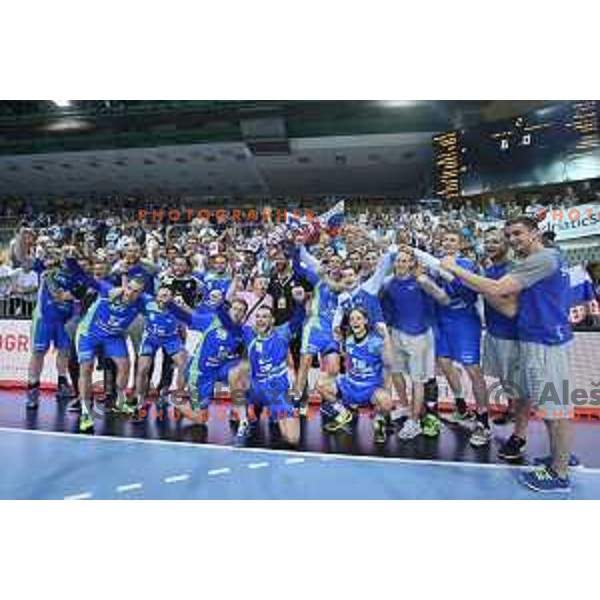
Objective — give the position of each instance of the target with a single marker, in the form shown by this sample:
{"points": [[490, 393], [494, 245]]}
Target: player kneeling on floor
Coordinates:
{"points": [[367, 353], [269, 388], [215, 358]]}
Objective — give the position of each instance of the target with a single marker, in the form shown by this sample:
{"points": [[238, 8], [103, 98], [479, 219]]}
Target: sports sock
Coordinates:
{"points": [[431, 393], [483, 418]]}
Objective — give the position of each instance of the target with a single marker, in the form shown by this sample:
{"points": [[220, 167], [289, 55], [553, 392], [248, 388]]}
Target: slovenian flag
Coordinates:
{"points": [[334, 218], [330, 221]]}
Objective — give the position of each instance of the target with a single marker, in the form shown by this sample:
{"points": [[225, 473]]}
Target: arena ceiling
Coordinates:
{"points": [[353, 165], [206, 148]]}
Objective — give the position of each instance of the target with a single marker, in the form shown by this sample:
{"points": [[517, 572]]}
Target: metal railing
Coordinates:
{"points": [[16, 306]]}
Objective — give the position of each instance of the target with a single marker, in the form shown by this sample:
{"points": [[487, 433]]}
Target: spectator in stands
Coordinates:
{"points": [[21, 247]]}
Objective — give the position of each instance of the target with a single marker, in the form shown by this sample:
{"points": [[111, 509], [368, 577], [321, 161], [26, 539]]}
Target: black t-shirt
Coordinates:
{"points": [[187, 287], [280, 290]]}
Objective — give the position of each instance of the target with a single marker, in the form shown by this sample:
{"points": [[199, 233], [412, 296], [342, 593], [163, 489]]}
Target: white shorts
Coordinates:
{"points": [[545, 371], [413, 355], [501, 359]]}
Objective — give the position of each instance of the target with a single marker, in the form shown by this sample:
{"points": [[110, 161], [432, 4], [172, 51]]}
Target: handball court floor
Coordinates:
{"points": [[45, 457]]}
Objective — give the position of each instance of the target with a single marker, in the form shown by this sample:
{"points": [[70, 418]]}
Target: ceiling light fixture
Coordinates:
{"points": [[398, 103], [62, 103]]}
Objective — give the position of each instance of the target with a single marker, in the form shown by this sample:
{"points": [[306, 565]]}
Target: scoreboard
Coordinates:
{"points": [[550, 145]]}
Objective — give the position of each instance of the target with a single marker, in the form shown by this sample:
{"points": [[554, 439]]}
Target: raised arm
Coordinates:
{"points": [[430, 287], [311, 276], [374, 284]]}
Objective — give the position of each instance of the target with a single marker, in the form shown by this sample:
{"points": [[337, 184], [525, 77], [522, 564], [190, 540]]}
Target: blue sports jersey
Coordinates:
{"points": [[216, 344], [211, 281], [268, 354], [362, 299], [406, 306], [52, 281], [463, 301], [543, 315], [111, 316], [140, 270], [497, 324], [324, 300], [364, 359], [160, 322]]}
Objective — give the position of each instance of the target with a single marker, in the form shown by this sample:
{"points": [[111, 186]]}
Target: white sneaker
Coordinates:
{"points": [[411, 429]]}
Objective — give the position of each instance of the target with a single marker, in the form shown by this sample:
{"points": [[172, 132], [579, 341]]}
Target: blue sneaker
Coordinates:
{"points": [[546, 461], [544, 479]]}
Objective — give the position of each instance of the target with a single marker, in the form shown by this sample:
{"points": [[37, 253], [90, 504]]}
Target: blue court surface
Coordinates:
{"points": [[53, 465]]}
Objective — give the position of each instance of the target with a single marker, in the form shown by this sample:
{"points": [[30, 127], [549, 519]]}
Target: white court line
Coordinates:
{"points": [[176, 478], [84, 496], [294, 461], [322, 455], [260, 465], [219, 471], [129, 487]]}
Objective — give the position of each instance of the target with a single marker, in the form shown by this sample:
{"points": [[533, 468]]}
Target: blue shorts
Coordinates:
{"points": [[202, 383], [44, 333], [150, 345], [459, 341], [275, 395], [89, 345], [353, 393], [318, 339]]}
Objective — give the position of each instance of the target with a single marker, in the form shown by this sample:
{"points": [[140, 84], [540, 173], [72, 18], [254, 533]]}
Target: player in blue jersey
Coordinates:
{"points": [[215, 358], [270, 390], [501, 346], [537, 290], [132, 265], [161, 332], [215, 282], [366, 353], [54, 307], [458, 339], [317, 335], [408, 301], [104, 329]]}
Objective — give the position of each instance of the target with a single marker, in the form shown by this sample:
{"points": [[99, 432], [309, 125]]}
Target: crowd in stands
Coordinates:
{"points": [[105, 225]]}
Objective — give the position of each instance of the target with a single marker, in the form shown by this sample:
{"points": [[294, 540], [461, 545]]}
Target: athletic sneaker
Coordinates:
{"points": [[127, 408], [244, 433], [86, 423], [63, 393], [74, 406], [33, 399], [379, 429], [431, 425], [481, 435], [410, 430], [544, 479], [338, 422], [512, 449], [546, 461], [458, 418], [163, 400]]}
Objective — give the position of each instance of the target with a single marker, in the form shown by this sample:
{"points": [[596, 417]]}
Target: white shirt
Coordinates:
{"points": [[6, 274], [25, 282]]}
